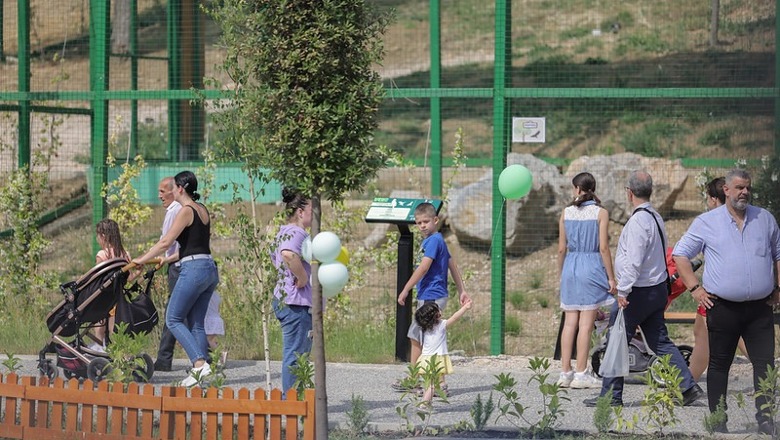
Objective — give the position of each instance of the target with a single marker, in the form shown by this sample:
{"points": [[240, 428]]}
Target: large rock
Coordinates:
{"points": [[532, 222], [611, 173]]}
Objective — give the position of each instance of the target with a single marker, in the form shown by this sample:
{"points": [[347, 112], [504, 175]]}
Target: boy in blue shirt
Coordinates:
{"points": [[431, 274]]}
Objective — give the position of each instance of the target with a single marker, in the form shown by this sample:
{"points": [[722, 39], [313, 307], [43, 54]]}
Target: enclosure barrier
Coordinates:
{"points": [[32, 407]]}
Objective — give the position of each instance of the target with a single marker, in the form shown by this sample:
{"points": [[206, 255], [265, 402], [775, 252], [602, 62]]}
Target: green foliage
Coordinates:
{"points": [[602, 415], [12, 363], [124, 203], [124, 348], [766, 185], [654, 139], [518, 300], [419, 379], [21, 198], [575, 32], [623, 18], [357, 416], [511, 407], [769, 395], [482, 411], [306, 95], [659, 401], [647, 43], [513, 326], [543, 301], [720, 136], [303, 369], [217, 377], [716, 419], [537, 279], [152, 142]]}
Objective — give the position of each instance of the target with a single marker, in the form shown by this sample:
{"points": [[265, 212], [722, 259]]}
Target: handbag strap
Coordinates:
{"points": [[660, 234]]}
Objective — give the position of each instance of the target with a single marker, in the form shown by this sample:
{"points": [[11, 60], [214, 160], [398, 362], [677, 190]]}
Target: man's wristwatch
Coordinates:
{"points": [[693, 289]]}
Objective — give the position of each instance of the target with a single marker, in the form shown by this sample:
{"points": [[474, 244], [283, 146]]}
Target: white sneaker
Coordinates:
{"points": [[196, 376], [585, 380], [564, 380]]}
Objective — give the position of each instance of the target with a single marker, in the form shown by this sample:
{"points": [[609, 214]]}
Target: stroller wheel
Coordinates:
{"points": [[47, 368], [686, 351], [98, 369], [143, 374]]}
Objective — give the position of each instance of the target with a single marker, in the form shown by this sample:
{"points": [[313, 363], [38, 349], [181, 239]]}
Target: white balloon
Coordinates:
{"points": [[306, 249], [326, 247], [333, 277], [328, 293]]}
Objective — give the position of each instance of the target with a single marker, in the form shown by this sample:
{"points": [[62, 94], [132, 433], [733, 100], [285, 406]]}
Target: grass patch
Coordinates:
{"points": [[513, 326], [519, 300], [577, 32], [720, 136], [654, 138], [536, 280], [642, 43]]}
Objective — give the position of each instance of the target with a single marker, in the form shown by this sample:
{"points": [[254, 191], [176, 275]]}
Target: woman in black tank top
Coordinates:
{"points": [[190, 297]]}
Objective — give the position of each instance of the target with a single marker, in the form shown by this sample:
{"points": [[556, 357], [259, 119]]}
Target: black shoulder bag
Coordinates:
{"points": [[663, 249]]}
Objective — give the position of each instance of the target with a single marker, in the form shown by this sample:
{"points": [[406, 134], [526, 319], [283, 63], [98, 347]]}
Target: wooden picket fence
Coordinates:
{"points": [[34, 408]]}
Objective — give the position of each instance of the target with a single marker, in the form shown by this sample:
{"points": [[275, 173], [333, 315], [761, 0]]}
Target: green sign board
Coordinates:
{"points": [[396, 210]]}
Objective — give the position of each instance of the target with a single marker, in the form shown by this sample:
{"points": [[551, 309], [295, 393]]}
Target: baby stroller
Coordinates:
{"points": [[86, 302], [641, 358]]}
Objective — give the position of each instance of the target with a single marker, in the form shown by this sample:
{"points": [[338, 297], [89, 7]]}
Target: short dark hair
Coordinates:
{"points": [[715, 189]]}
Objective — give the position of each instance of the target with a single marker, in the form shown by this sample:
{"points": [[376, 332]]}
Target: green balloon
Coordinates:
{"points": [[515, 182]]}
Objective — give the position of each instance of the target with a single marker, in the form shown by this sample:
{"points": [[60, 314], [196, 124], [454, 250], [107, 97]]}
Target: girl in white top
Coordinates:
{"points": [[434, 340]]}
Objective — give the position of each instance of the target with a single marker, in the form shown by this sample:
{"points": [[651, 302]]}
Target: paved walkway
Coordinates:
{"points": [[472, 377]]}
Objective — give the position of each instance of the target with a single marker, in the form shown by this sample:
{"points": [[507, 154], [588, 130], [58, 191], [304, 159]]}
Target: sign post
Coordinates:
{"points": [[400, 212]]}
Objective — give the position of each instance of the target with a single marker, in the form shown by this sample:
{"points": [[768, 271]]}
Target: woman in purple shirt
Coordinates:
{"points": [[292, 294]]}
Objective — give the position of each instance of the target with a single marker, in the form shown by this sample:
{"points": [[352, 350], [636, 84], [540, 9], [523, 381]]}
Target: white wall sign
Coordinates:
{"points": [[528, 130]]}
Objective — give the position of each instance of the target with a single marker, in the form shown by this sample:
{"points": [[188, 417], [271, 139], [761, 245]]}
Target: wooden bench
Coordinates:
{"points": [[680, 317]]}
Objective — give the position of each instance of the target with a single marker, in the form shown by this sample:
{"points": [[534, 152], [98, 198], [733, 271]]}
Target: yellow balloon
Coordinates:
{"points": [[343, 257]]}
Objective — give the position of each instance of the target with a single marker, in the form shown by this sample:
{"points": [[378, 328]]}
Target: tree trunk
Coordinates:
{"points": [[318, 343], [714, 23], [120, 27]]}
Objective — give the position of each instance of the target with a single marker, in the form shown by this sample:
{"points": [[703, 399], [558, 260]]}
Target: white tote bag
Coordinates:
{"points": [[615, 362]]}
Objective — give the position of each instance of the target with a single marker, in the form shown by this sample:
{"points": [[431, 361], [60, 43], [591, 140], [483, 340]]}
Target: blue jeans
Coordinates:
{"points": [[646, 310], [296, 337], [188, 305]]}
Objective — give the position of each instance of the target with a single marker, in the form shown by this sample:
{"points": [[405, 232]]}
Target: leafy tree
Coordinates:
{"points": [[304, 104]]}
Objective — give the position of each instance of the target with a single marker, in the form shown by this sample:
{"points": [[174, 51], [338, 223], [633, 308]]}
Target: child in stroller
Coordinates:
{"points": [[86, 303]]}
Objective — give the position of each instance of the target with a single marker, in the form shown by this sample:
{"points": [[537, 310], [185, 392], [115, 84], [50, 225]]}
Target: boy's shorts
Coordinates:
{"points": [[415, 331]]}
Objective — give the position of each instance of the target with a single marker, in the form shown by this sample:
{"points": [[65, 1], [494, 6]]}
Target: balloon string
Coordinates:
{"points": [[495, 229]]}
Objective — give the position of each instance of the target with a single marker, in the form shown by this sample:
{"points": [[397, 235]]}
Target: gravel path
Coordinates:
{"points": [[472, 377]]}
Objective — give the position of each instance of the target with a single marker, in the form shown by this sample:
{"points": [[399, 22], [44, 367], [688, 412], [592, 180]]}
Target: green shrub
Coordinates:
{"points": [[720, 136], [518, 300], [513, 327]]}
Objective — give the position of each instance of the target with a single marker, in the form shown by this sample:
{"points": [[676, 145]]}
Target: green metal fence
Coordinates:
{"points": [[608, 77]]}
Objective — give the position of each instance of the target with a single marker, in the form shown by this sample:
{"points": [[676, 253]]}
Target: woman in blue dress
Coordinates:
{"points": [[587, 278]]}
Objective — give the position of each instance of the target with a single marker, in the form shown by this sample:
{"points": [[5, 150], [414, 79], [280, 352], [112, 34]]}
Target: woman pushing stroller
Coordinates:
{"points": [[190, 297]]}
